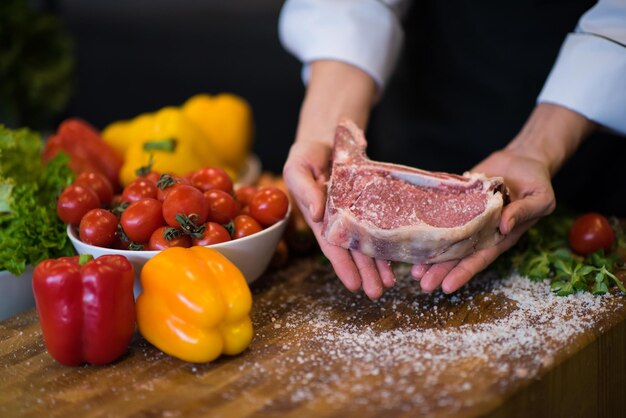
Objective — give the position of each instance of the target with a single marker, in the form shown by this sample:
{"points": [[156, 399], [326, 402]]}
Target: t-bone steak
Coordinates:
{"points": [[394, 212]]}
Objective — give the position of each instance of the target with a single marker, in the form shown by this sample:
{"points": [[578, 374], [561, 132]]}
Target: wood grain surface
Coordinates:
{"points": [[504, 347]]}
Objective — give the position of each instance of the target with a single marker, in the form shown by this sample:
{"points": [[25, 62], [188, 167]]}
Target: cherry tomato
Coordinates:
{"points": [[159, 239], [212, 178], [120, 242], [269, 205], [245, 226], [116, 200], [167, 183], [244, 194], [187, 176], [139, 189], [590, 233], [222, 206], [151, 175], [98, 183], [98, 227], [141, 218], [185, 200], [214, 233], [74, 202]]}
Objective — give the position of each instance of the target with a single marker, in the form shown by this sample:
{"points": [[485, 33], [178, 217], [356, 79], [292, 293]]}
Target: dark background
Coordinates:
{"points": [[140, 55]]}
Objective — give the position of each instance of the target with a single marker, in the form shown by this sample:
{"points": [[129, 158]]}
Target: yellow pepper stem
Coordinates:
{"points": [[167, 145]]}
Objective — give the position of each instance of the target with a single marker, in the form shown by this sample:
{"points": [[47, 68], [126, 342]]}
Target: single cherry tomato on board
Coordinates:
{"points": [[74, 202], [141, 218], [187, 201], [97, 182], [590, 233], [212, 178], [214, 233], [269, 205], [166, 237], [138, 189], [222, 206], [98, 228], [245, 226]]}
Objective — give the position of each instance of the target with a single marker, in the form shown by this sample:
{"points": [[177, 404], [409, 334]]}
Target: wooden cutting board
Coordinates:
{"points": [[506, 347]]}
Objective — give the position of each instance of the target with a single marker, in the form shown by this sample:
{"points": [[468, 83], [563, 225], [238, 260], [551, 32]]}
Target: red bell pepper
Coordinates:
{"points": [[86, 148], [86, 307]]}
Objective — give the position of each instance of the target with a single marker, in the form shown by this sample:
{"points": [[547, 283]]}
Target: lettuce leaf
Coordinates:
{"points": [[30, 230]]}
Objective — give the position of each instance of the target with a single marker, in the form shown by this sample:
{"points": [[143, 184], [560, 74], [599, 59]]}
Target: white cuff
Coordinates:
{"points": [[589, 77], [363, 33]]}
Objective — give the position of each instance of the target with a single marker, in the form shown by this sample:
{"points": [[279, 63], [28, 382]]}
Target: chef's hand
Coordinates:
{"points": [[335, 90], [306, 173], [531, 198], [527, 164]]}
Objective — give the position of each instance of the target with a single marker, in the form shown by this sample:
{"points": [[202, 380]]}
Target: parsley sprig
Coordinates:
{"points": [[544, 253]]}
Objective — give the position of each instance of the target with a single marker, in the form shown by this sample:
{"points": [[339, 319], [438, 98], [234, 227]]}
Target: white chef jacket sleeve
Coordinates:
{"points": [[364, 33], [589, 76]]}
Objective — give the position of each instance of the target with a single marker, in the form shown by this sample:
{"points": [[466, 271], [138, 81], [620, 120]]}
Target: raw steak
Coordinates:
{"points": [[394, 212]]}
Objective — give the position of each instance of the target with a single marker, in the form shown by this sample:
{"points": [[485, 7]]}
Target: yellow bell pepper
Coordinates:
{"points": [[195, 304], [120, 134], [176, 144], [226, 120]]}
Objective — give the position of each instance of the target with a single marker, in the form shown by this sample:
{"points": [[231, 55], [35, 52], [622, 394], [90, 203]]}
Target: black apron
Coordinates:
{"points": [[467, 81]]}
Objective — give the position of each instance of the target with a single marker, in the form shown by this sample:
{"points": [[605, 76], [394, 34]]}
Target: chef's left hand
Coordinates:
{"points": [[532, 197], [550, 136]]}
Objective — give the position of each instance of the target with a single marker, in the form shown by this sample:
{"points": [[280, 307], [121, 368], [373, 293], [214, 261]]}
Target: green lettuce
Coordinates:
{"points": [[30, 230]]}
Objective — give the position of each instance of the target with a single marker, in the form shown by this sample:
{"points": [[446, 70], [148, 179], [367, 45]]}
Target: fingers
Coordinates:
{"points": [[348, 272], [433, 277], [356, 270], [304, 174], [372, 283], [477, 262], [528, 207], [418, 270], [306, 190], [386, 273], [340, 259]]}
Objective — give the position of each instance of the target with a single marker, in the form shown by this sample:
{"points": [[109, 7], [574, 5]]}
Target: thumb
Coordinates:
{"points": [[306, 190], [529, 208]]}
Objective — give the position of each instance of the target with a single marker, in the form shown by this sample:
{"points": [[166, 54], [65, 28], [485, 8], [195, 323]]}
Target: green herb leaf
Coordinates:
{"points": [[544, 253], [30, 231], [600, 288]]}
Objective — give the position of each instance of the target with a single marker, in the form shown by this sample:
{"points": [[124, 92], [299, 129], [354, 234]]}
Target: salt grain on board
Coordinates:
{"points": [[404, 367]]}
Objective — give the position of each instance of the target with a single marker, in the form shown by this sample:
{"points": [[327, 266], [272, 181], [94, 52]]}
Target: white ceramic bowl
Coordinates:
{"points": [[16, 293], [251, 254]]}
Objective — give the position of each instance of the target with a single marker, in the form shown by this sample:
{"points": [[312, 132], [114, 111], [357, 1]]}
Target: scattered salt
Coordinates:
{"points": [[426, 361]]}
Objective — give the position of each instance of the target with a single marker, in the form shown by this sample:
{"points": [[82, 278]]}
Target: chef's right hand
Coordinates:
{"points": [[306, 173]]}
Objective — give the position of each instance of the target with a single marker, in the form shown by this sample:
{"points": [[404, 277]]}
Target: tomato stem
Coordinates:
{"points": [[188, 225], [171, 233], [230, 227], [165, 181], [144, 170], [133, 246]]}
